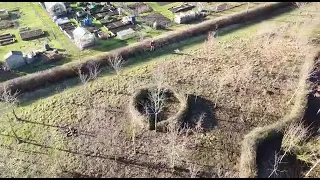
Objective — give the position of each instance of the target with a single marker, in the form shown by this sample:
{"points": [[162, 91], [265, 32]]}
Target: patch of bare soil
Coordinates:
{"points": [[4, 75]]}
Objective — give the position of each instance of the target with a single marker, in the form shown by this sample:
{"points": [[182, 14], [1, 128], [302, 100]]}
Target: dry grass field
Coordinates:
{"points": [[234, 84]]}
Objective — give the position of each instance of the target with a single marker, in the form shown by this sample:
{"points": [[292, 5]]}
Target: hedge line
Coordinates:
{"points": [[52, 75]]}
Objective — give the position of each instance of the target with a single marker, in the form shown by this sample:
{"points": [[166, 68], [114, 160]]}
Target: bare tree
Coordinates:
{"points": [[84, 78], [193, 170], [9, 99], [94, 70], [156, 95], [156, 105], [175, 149], [116, 62], [316, 164]]}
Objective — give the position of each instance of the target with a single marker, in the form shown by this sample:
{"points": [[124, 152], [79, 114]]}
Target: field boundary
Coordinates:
{"points": [[33, 81], [248, 164]]}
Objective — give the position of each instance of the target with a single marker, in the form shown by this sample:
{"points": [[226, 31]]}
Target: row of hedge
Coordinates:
{"points": [[32, 81]]}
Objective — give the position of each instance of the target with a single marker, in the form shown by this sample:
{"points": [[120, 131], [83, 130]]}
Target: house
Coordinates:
{"points": [[182, 8], [83, 38], [56, 8], [186, 17], [14, 60], [221, 7], [126, 34], [156, 20]]}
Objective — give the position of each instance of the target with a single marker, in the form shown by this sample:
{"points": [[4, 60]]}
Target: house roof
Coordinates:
{"points": [[3, 11], [49, 5], [80, 31], [125, 32], [13, 53]]}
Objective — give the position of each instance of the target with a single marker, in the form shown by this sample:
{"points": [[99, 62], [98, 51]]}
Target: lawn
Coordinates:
{"points": [[59, 40], [234, 71], [30, 18], [164, 9], [55, 38]]}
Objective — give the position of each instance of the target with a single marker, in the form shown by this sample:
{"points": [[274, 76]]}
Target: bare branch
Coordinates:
{"points": [[84, 78], [193, 170], [94, 70], [116, 62]]}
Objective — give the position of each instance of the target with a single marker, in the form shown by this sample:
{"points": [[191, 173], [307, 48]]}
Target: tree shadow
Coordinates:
{"points": [[56, 126], [5, 75], [180, 171], [311, 116], [268, 153], [200, 108], [14, 15]]}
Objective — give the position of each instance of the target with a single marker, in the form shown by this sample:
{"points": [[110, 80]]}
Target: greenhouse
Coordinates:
{"points": [[56, 8], [83, 38]]}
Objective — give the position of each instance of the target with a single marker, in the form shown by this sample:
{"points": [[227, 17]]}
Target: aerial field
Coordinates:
{"points": [[242, 79]]}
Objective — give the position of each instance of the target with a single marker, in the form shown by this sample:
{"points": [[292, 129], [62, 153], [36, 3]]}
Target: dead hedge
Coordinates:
{"points": [[32, 81], [248, 158], [142, 120]]}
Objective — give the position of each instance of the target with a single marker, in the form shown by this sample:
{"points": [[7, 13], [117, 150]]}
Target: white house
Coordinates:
{"points": [[185, 17], [83, 38], [126, 34]]}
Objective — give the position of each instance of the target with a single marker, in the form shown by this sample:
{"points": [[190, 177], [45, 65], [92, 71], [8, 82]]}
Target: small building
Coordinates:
{"points": [[126, 34], [83, 38], [221, 7], [61, 21], [56, 8], [4, 14], [14, 60], [182, 18], [156, 20]]}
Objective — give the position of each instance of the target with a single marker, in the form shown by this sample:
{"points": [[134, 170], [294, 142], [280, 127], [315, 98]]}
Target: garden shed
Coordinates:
{"points": [[186, 17], [14, 59], [126, 34], [83, 38], [156, 20], [56, 8]]}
